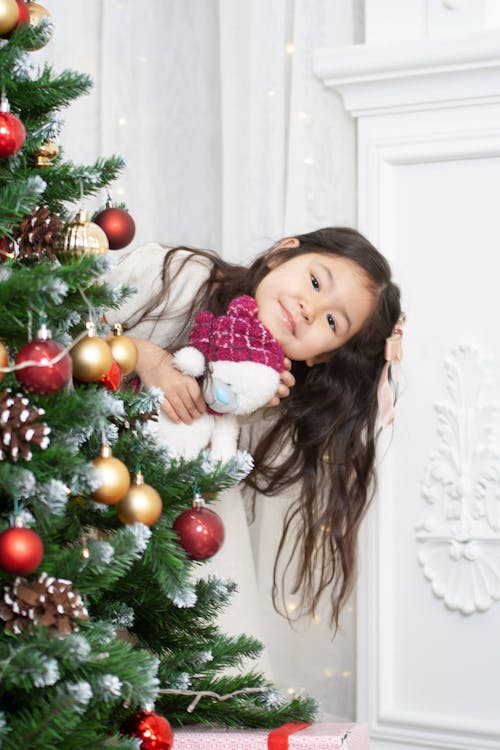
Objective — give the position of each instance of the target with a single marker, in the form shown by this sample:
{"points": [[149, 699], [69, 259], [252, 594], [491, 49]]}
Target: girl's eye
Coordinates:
{"points": [[315, 283], [331, 321]]}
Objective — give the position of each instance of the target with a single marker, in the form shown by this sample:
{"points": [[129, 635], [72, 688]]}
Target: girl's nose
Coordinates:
{"points": [[307, 311]]}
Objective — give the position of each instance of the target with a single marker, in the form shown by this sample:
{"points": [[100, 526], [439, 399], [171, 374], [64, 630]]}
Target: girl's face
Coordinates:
{"points": [[314, 303]]}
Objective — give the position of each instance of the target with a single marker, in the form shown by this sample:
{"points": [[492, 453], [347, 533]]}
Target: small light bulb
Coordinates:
{"points": [[308, 160], [271, 92], [291, 691], [345, 674], [302, 115], [289, 48], [122, 121]]}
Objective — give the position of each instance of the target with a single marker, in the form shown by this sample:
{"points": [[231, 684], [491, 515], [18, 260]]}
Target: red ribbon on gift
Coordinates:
{"points": [[277, 739]]}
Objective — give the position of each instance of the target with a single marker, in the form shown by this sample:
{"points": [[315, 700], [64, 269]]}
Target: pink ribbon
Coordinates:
{"points": [[393, 355]]}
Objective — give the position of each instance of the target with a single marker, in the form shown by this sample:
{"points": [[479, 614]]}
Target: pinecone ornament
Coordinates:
{"points": [[36, 234], [49, 602], [19, 428]]}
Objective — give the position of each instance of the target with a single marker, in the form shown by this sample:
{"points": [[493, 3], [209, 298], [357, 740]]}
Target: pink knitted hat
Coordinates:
{"points": [[238, 336]]}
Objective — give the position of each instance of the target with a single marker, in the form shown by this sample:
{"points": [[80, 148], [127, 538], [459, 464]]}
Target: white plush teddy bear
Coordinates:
{"points": [[240, 362]]}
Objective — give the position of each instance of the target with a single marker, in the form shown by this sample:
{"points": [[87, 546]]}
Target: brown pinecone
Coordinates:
{"points": [[19, 427], [36, 234], [48, 601]]}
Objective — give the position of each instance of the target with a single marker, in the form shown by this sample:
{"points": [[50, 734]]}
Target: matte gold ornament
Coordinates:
{"points": [[9, 15], [81, 237], [91, 357], [114, 478], [141, 504], [46, 154], [124, 350]]}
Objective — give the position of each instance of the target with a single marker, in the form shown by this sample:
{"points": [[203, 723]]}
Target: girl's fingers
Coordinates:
{"points": [[180, 410], [198, 406], [283, 391], [169, 411], [185, 405], [287, 379]]}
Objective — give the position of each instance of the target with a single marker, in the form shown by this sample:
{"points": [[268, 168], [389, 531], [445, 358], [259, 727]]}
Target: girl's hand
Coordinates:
{"points": [[287, 381], [183, 400]]}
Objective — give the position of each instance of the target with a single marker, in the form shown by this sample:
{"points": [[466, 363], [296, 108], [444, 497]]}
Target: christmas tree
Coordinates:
{"points": [[106, 623]]}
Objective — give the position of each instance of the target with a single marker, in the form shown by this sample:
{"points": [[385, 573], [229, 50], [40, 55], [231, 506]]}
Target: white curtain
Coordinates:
{"points": [[230, 143]]}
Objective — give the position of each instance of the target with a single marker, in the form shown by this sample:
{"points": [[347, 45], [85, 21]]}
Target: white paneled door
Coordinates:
{"points": [[428, 115]]}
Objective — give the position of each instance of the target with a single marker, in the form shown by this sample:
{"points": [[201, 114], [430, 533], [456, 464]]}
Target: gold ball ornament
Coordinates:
{"points": [[81, 237], [9, 15], [113, 476], [37, 13], [4, 360], [46, 154], [141, 504], [124, 350], [91, 356]]}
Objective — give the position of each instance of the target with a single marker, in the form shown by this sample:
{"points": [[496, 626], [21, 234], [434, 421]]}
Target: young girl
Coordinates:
{"points": [[328, 297]]}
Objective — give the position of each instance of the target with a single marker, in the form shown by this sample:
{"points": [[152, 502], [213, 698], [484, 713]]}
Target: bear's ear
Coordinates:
{"points": [[243, 307]]}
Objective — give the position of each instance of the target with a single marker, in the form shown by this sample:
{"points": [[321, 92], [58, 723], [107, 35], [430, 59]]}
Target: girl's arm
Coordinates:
{"points": [[183, 400]]}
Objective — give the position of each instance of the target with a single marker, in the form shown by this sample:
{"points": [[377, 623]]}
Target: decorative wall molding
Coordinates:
{"points": [[460, 535], [414, 74]]}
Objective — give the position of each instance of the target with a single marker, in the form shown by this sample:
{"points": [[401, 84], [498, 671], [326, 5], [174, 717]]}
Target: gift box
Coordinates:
{"points": [[288, 737]]}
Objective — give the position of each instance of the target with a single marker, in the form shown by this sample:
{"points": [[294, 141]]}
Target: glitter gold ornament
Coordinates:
{"points": [[91, 357], [37, 13], [9, 15], [113, 476], [46, 154], [124, 350], [141, 504], [81, 237]]}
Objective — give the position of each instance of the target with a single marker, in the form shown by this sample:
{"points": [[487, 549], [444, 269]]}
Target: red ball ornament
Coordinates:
{"points": [[21, 550], [200, 531], [24, 14], [153, 730], [118, 226], [50, 376], [12, 132], [113, 378]]}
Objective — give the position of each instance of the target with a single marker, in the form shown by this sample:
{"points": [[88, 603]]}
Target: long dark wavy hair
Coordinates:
{"points": [[322, 443]]}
